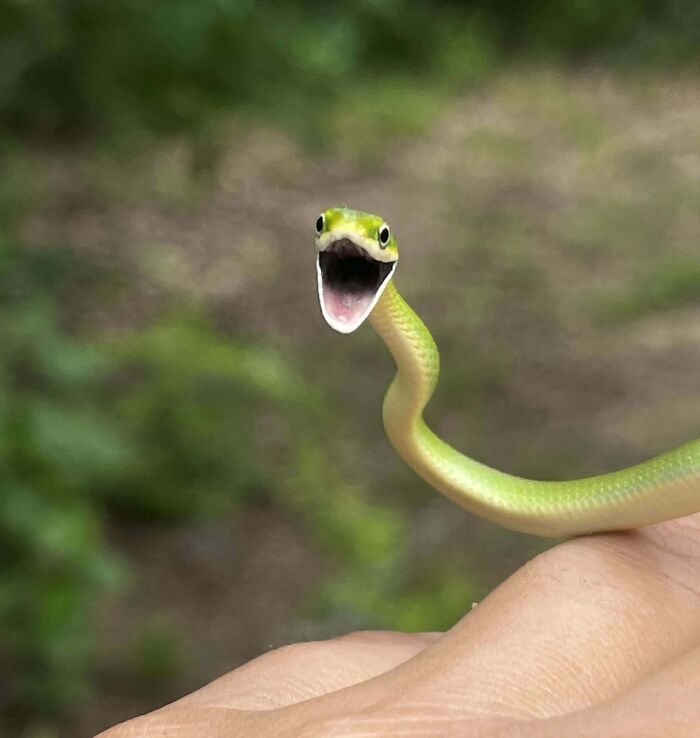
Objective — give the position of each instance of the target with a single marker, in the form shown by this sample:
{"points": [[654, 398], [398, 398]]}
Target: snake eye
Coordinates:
{"points": [[320, 224], [384, 235]]}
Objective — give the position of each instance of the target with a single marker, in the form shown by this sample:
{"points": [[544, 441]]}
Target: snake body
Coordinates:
{"points": [[355, 275]]}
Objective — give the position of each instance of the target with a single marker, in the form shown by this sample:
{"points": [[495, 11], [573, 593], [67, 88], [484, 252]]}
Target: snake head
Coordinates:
{"points": [[356, 257]]}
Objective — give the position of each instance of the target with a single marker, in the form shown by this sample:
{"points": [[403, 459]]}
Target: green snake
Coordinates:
{"points": [[357, 256]]}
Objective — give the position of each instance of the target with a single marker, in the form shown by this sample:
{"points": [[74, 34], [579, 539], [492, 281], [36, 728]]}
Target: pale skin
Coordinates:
{"points": [[600, 636]]}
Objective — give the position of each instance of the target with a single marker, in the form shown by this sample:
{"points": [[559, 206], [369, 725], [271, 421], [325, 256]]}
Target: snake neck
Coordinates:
{"points": [[418, 364], [418, 367], [658, 489]]}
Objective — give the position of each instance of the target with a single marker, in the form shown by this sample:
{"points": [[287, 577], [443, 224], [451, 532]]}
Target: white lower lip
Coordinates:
{"points": [[345, 313]]}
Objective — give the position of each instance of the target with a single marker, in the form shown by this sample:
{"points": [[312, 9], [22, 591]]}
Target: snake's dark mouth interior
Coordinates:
{"points": [[350, 280]]}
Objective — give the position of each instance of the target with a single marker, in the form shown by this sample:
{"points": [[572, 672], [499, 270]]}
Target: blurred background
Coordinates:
{"points": [[193, 469]]}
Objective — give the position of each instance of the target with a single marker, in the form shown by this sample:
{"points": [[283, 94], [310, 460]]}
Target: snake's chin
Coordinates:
{"points": [[350, 282]]}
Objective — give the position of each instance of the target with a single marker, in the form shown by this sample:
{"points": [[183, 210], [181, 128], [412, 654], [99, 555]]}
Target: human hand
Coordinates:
{"points": [[599, 636]]}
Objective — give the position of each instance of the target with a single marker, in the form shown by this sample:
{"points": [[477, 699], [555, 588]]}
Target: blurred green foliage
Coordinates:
{"points": [[220, 425], [80, 66], [209, 417], [172, 65], [157, 654], [56, 447]]}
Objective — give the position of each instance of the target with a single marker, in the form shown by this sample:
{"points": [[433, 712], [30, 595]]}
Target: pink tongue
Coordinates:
{"points": [[346, 307]]}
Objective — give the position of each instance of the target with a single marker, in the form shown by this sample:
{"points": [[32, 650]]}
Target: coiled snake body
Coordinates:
{"points": [[356, 260]]}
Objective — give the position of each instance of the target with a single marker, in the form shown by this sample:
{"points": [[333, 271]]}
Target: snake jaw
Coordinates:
{"points": [[350, 282]]}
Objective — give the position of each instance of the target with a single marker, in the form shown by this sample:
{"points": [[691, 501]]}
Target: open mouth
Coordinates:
{"points": [[349, 284]]}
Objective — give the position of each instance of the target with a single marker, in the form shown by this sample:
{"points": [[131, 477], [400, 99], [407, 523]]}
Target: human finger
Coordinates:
{"points": [[304, 670], [281, 677], [578, 626], [665, 704]]}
